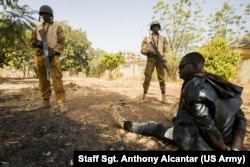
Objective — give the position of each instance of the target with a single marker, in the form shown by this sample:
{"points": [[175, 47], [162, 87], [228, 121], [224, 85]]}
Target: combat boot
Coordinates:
{"points": [[63, 108], [164, 99], [60, 108], [117, 119], [44, 105], [143, 97]]}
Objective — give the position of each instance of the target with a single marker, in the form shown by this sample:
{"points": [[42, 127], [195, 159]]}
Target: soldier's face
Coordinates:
{"points": [[155, 28], [46, 17]]}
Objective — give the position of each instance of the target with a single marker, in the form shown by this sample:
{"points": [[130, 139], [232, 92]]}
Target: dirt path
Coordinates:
{"points": [[42, 138]]}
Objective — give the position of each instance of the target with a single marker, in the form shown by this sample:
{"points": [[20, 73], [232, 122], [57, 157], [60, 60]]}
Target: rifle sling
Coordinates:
{"points": [[153, 39], [45, 29]]}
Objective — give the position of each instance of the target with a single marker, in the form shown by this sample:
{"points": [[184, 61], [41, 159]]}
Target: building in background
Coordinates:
{"points": [[242, 46], [134, 64]]}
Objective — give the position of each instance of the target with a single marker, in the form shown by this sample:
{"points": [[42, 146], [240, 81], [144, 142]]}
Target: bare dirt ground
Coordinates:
{"points": [[30, 137]]}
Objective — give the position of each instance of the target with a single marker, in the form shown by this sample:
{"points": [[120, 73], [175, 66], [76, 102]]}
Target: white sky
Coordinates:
{"points": [[112, 25]]}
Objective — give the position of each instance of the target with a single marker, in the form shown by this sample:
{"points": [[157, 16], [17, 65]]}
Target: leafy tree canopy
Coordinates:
{"points": [[111, 61], [220, 59], [76, 49], [14, 21]]}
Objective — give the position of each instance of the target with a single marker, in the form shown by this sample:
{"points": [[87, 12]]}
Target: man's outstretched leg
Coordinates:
{"points": [[150, 128]]}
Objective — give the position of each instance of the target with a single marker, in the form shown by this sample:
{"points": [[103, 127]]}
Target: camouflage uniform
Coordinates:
{"points": [[56, 39], [147, 49]]}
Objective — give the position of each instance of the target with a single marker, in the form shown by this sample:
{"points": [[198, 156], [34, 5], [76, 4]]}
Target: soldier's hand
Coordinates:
{"points": [[164, 60], [52, 53], [38, 44], [152, 52]]}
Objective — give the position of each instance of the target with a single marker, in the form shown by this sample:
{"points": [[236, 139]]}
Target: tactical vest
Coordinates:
{"points": [[158, 42], [51, 35]]}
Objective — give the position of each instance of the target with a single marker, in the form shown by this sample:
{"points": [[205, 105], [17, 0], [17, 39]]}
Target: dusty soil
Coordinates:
{"points": [[30, 137]]}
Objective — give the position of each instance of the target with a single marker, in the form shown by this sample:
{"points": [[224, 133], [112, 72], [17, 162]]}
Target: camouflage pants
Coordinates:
{"points": [[56, 76], [151, 64]]}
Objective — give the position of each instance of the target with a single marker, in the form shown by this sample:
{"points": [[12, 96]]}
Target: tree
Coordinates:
{"points": [[111, 61], [247, 10], [225, 23], [14, 21], [220, 59], [180, 21], [21, 55], [76, 50], [96, 70]]}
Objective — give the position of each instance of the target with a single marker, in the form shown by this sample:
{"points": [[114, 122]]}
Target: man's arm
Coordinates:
{"points": [[165, 48], [207, 126], [60, 41], [33, 38], [144, 49], [239, 130]]}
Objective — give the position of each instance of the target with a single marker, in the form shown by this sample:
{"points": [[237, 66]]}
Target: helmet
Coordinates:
{"points": [[46, 9], [154, 23]]}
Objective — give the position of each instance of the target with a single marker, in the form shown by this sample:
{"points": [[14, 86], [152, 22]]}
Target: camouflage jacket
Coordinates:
{"points": [[55, 37], [158, 40]]}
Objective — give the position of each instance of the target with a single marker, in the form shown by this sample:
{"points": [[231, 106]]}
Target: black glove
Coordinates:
{"points": [[38, 44], [50, 55]]}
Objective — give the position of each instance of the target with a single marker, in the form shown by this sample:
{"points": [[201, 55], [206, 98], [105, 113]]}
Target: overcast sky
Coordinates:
{"points": [[112, 25]]}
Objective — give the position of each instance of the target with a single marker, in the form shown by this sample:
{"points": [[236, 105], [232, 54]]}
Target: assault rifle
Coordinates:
{"points": [[159, 58], [45, 53]]}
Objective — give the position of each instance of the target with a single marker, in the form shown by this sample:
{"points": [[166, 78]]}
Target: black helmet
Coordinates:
{"points": [[46, 9], [154, 23]]}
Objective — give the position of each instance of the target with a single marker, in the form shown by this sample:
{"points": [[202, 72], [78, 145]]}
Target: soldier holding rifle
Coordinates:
{"points": [[154, 47], [48, 38]]}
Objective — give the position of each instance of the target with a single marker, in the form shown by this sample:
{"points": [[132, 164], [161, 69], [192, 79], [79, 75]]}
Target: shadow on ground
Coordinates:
{"points": [[32, 137]]}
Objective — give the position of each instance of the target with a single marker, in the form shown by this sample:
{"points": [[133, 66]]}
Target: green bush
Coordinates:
{"points": [[220, 59]]}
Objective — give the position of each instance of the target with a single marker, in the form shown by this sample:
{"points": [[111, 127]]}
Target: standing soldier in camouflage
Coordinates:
{"points": [[55, 39], [147, 49]]}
